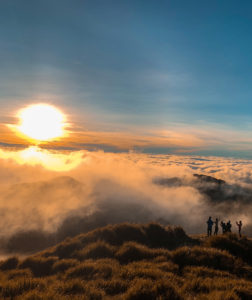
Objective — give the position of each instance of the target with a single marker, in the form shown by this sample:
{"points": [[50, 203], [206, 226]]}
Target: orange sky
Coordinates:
{"points": [[177, 138]]}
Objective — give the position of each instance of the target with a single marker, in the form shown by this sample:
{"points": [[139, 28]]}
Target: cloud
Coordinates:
{"points": [[174, 138], [104, 188]]}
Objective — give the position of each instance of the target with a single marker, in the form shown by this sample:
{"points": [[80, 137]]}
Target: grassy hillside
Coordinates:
{"points": [[130, 262]]}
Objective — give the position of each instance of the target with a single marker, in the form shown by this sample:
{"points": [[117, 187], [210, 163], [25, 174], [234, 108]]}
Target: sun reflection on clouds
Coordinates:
{"points": [[54, 161]]}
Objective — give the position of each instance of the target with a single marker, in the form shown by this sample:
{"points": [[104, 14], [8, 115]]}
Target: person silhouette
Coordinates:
{"points": [[224, 227], [216, 228], [239, 224], [209, 226], [229, 225]]}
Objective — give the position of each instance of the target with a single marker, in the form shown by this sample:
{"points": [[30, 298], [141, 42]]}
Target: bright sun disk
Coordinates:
{"points": [[41, 122]]}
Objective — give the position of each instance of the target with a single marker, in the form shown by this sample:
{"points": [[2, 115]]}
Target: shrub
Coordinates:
{"points": [[16, 287], [152, 235], [166, 237], [156, 234], [243, 292], [63, 265], [130, 232], [218, 295], [50, 295], [180, 234], [113, 287], [144, 289], [9, 264], [72, 286], [115, 234], [230, 242], [78, 289], [141, 270], [168, 267], [95, 250], [160, 258], [197, 285], [203, 272], [35, 295], [90, 270], [13, 274], [67, 248], [131, 251], [106, 234], [40, 266], [199, 256]]}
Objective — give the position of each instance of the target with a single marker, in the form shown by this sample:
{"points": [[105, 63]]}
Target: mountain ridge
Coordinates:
{"points": [[133, 261]]}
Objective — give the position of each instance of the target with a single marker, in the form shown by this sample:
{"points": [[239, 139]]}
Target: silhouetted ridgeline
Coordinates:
{"points": [[128, 261], [152, 235], [217, 190]]}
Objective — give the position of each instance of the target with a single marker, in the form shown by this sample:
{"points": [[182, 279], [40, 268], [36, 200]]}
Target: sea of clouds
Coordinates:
{"points": [[105, 188]]}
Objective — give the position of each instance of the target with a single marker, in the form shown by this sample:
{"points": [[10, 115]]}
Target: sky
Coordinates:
{"points": [[99, 100], [147, 76]]}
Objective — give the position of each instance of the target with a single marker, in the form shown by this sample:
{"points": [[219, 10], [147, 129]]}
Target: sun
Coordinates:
{"points": [[41, 122]]}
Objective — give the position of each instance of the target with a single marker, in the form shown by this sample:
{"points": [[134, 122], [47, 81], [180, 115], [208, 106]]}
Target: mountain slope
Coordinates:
{"points": [[128, 261]]}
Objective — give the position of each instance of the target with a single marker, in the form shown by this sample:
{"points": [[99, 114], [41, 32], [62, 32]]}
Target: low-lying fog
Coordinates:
{"points": [[39, 207]]}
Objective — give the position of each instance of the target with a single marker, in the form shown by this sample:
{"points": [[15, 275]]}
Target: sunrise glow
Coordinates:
{"points": [[35, 156], [41, 122]]}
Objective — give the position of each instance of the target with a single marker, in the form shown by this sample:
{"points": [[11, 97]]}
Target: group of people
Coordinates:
{"points": [[226, 227]]}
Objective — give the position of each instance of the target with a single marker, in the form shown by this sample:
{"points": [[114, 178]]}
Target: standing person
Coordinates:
{"points": [[239, 224], [229, 225], [216, 228], [223, 226], [209, 226]]}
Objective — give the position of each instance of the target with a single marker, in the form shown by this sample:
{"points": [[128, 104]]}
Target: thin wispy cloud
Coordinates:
{"points": [[173, 138]]}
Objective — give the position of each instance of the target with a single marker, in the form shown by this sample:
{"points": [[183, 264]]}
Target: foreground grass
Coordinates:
{"points": [[133, 262]]}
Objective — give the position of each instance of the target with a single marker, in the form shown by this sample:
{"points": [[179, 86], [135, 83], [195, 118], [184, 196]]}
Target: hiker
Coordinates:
{"points": [[216, 228], [224, 227], [239, 224], [209, 226], [229, 225]]}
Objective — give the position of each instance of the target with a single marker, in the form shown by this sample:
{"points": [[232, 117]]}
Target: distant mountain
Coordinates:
{"points": [[208, 179], [216, 190]]}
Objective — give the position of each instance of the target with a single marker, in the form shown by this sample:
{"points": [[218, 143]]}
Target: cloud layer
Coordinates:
{"points": [[108, 188], [92, 189]]}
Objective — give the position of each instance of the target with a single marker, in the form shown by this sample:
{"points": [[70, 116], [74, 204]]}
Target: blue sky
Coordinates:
{"points": [[125, 64]]}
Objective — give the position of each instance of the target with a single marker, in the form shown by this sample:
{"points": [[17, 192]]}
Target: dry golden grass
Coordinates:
{"points": [[130, 262]]}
